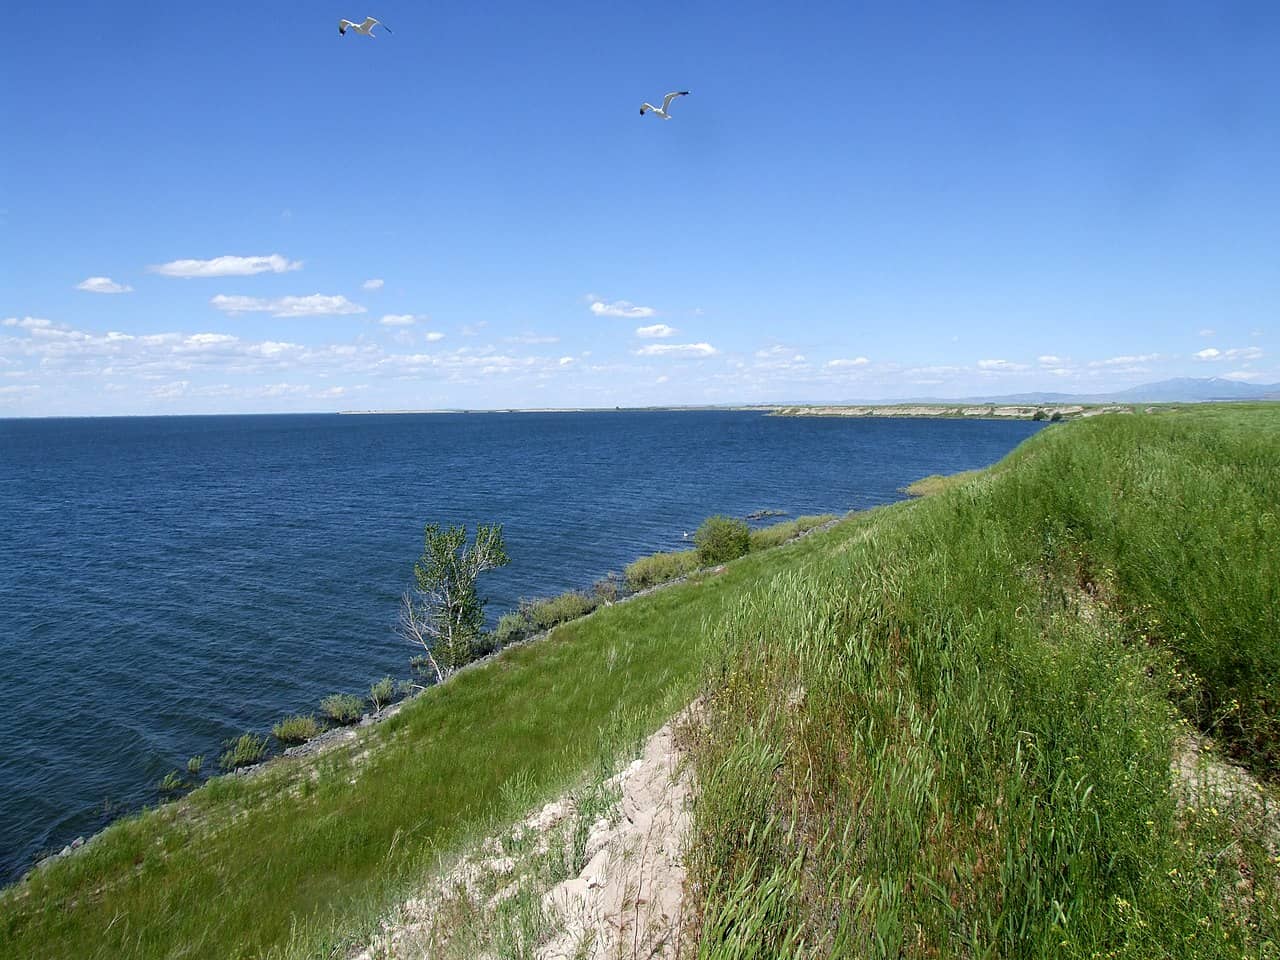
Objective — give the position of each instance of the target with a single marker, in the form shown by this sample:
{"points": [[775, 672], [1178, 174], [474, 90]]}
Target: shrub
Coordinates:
{"points": [[246, 749], [512, 628], [545, 614], [608, 590], [382, 692], [194, 764], [296, 729], [1039, 415], [342, 707], [659, 568], [172, 782], [721, 539]]}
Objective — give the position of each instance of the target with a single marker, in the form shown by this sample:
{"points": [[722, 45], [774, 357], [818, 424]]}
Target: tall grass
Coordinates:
{"points": [[303, 858], [952, 735], [939, 729]]}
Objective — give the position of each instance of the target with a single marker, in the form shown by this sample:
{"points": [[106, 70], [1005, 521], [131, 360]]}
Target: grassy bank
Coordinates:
{"points": [[952, 735], [290, 861], [940, 728]]}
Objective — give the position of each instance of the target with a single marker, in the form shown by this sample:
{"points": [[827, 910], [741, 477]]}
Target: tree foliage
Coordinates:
{"points": [[721, 539], [443, 613]]}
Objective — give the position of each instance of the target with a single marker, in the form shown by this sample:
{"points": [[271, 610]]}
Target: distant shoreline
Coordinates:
{"points": [[958, 411]]}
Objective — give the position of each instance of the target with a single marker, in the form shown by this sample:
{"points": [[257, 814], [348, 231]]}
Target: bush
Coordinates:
{"points": [[608, 590], [246, 749], [342, 707], [194, 764], [545, 614], [659, 568], [512, 628], [296, 729], [172, 782], [382, 692], [721, 539]]}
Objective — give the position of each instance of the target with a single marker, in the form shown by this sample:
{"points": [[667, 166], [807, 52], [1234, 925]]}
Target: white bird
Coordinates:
{"points": [[365, 28], [666, 105]]}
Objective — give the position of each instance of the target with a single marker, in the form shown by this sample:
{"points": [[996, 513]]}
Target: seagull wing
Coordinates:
{"points": [[343, 24], [646, 106], [666, 101], [370, 22]]}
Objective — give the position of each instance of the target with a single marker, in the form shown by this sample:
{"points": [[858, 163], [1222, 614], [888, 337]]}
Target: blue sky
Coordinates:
{"points": [[231, 208]]}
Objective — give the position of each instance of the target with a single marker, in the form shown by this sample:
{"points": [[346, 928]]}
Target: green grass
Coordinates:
{"points": [[942, 728], [937, 483], [342, 707], [302, 856], [776, 534], [297, 729], [659, 568], [951, 736], [246, 749]]}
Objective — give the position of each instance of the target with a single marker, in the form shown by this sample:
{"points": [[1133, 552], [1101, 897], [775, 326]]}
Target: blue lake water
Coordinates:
{"points": [[167, 583]]}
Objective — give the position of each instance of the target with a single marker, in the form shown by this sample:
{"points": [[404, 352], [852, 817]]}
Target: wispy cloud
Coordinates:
{"points": [[1125, 361], [677, 349], [313, 305], [1244, 376], [102, 285], [398, 320], [621, 308], [1238, 353], [1049, 360], [27, 323], [533, 338], [565, 361], [656, 331], [226, 266], [375, 283], [843, 362], [1005, 366], [1208, 332]]}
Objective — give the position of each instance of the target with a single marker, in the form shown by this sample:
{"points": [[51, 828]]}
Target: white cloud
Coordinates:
{"points": [[209, 339], [565, 361], [28, 323], [433, 336], [533, 338], [1238, 353], [397, 320], [621, 308], [1126, 361], [374, 283], [1004, 365], [656, 331], [1207, 332], [847, 362], [677, 349], [102, 285], [1242, 375], [226, 266], [1049, 360], [314, 305]]}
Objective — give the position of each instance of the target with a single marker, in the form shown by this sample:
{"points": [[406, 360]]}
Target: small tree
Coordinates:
{"points": [[721, 539], [444, 614]]}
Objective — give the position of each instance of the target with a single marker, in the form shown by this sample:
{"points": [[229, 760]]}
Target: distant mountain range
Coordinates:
{"points": [[1179, 390]]}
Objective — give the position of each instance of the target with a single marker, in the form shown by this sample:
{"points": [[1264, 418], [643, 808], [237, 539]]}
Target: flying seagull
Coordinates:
{"points": [[365, 28], [666, 105]]}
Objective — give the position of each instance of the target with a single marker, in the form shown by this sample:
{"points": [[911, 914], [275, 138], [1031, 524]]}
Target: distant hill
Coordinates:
{"points": [[1178, 390]]}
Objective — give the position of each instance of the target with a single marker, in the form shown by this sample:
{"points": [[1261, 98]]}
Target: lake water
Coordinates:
{"points": [[167, 583]]}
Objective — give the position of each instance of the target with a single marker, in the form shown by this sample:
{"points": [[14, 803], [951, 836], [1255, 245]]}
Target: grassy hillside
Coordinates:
{"points": [[952, 735], [288, 862], [941, 728]]}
